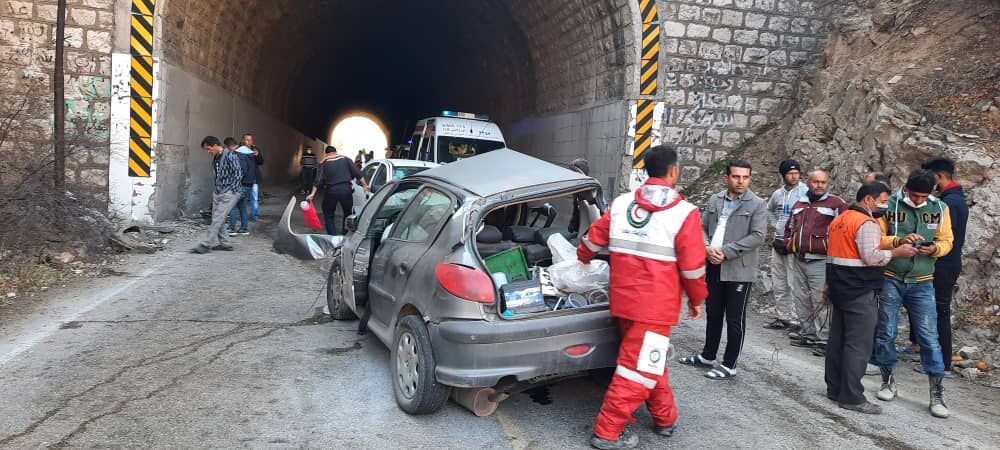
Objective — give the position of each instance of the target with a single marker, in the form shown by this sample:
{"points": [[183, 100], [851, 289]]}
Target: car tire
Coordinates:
{"points": [[412, 366], [335, 291]]}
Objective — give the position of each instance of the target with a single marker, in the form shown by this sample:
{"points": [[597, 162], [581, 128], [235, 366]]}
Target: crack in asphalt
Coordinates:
{"points": [[188, 349], [175, 381], [164, 356], [312, 321]]}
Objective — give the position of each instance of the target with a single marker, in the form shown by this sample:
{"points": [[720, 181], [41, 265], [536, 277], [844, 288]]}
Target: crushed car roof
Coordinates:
{"points": [[500, 171]]}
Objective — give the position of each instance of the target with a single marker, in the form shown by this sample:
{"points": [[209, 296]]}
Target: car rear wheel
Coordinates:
{"points": [[335, 291], [417, 391]]}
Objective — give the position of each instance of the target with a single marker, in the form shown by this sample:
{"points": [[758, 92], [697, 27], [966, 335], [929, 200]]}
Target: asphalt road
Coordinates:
{"points": [[225, 351]]}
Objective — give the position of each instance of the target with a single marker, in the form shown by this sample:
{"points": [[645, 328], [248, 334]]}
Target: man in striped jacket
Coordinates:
{"points": [[657, 256]]}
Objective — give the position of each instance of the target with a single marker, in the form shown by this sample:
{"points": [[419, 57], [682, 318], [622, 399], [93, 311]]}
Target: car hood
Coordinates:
{"points": [[500, 171]]}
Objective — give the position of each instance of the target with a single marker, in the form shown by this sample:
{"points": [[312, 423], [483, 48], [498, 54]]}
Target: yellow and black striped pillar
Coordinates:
{"points": [[648, 76], [140, 149]]}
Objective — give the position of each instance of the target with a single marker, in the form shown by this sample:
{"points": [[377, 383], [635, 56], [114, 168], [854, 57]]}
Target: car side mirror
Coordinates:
{"points": [[351, 223]]}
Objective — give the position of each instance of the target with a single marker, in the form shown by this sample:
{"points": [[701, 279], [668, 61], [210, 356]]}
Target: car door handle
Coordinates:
{"points": [[404, 269]]}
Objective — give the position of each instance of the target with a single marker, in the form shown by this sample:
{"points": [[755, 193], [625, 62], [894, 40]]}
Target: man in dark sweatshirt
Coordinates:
{"points": [[948, 267]]}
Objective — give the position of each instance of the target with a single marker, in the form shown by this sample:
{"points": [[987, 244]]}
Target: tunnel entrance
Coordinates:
{"points": [[555, 75], [357, 133]]}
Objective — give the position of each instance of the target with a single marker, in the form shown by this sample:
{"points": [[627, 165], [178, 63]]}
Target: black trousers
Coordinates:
{"points": [[306, 178], [727, 302], [852, 336], [944, 289], [338, 195]]}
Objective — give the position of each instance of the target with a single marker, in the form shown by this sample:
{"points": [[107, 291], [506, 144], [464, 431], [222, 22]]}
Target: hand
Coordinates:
{"points": [[928, 250], [309, 197], [694, 312], [904, 251], [912, 238], [256, 152], [715, 255], [368, 188]]}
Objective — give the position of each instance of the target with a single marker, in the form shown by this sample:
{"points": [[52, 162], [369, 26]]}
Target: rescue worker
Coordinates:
{"points": [[854, 275], [335, 175], [654, 237], [914, 218]]}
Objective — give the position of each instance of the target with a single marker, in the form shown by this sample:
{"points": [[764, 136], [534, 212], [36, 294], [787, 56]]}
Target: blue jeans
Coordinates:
{"points": [[240, 211], [918, 298], [254, 205]]}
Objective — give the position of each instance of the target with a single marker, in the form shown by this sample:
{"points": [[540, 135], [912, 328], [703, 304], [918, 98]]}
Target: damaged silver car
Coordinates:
{"points": [[448, 269]]}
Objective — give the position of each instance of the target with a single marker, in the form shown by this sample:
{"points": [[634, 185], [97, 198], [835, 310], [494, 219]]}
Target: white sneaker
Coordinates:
{"points": [[887, 392]]}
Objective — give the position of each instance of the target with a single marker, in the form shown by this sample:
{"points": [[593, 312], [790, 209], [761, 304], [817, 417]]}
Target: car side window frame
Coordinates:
{"points": [[381, 173], [366, 175], [431, 233]]}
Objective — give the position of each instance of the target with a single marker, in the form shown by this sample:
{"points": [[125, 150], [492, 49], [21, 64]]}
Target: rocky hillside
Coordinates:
{"points": [[901, 81]]}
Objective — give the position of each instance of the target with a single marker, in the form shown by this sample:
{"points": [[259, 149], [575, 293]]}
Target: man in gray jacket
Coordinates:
{"points": [[779, 207], [733, 226]]}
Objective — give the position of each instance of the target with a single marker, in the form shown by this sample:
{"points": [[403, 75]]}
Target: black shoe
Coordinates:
{"points": [[795, 336], [201, 249], [664, 431], [865, 408], [243, 232], [819, 351], [776, 324], [225, 248], [627, 439], [804, 342]]}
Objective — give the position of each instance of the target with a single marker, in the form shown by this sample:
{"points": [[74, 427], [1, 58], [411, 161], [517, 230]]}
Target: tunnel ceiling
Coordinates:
{"points": [[309, 61]]}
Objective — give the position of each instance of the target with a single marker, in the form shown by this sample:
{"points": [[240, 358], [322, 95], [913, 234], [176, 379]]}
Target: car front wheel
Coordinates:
{"points": [[335, 291], [417, 391]]}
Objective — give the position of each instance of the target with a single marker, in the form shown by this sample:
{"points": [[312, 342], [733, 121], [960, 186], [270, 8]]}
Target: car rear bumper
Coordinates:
{"points": [[480, 353]]}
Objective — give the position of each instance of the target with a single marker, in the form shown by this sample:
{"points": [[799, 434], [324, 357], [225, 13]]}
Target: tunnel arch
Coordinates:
{"points": [[543, 56], [556, 75]]}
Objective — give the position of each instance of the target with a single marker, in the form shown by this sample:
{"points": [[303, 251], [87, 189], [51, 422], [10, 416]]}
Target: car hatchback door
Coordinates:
{"points": [[398, 256]]}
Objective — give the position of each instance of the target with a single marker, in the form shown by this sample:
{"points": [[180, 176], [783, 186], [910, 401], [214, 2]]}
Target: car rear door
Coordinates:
{"points": [[409, 239]]}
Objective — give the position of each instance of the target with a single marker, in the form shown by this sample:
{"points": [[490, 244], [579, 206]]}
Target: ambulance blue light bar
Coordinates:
{"points": [[464, 115]]}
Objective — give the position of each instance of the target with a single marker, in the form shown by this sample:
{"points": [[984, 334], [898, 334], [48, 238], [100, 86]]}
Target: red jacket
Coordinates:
{"points": [[657, 253]]}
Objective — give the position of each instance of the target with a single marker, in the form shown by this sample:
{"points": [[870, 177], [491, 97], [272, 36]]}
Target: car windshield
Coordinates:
{"points": [[451, 149], [402, 172]]}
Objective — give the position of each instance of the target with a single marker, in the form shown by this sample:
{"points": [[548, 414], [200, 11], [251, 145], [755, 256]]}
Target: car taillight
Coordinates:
{"points": [[465, 283], [578, 350]]}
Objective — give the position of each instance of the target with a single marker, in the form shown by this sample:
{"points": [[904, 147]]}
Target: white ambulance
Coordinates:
{"points": [[453, 136]]}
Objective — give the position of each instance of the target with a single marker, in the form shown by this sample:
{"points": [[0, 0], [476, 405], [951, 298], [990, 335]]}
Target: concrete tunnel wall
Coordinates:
{"points": [[561, 77]]}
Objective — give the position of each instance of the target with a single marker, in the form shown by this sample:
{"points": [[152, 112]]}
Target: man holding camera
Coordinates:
{"points": [[914, 218]]}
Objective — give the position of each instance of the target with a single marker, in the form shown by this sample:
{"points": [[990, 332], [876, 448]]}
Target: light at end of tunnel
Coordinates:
{"points": [[357, 132]]}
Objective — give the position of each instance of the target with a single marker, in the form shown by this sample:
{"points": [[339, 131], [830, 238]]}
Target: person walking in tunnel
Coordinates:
{"points": [[854, 275], [307, 172], [228, 183], [733, 231], [918, 219], [334, 176], [259, 161], [240, 213], [654, 237]]}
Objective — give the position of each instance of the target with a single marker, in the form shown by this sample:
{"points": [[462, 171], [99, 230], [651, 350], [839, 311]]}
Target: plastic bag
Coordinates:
{"points": [[310, 216], [574, 276], [561, 249]]}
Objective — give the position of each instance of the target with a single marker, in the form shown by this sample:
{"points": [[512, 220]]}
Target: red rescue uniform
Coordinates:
{"points": [[657, 255]]}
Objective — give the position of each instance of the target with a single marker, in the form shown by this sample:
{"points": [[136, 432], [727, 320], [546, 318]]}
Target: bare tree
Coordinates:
{"points": [[59, 101]]}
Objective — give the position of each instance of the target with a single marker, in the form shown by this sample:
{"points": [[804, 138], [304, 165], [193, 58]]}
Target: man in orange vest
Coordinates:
{"points": [[854, 274]]}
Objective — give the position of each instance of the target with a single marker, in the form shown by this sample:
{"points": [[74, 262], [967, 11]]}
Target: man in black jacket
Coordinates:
{"points": [[948, 267]]}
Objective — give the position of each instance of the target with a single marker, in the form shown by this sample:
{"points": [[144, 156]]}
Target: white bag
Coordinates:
{"points": [[574, 276], [561, 249]]}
